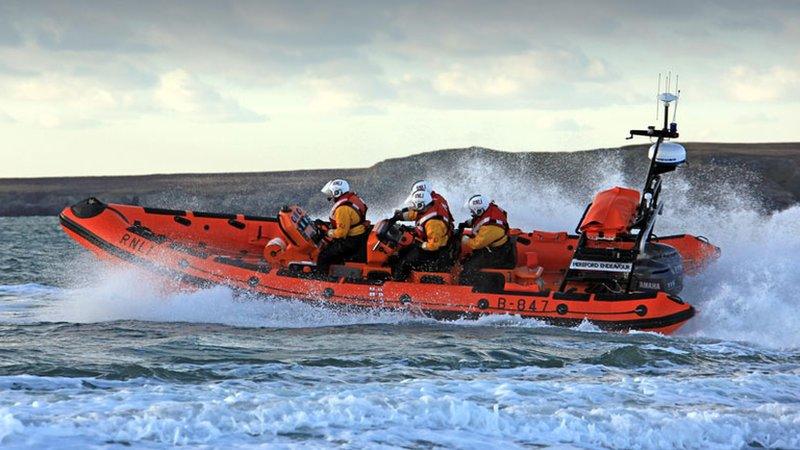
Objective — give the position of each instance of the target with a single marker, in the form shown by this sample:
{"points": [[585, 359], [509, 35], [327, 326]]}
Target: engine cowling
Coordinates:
{"points": [[659, 269]]}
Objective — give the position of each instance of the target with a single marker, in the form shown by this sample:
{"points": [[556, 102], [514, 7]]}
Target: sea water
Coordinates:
{"points": [[92, 356]]}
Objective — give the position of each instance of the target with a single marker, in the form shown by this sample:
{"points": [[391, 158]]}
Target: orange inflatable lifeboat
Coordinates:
{"points": [[613, 271], [275, 256]]}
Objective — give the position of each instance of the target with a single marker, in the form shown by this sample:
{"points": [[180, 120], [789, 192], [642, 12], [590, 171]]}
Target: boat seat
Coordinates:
{"points": [[506, 274], [431, 277], [344, 271], [523, 275], [492, 280], [370, 271], [302, 266], [526, 275], [527, 272]]}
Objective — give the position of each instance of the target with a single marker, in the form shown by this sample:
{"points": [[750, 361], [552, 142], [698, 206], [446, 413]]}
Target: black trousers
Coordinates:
{"points": [[502, 257], [415, 258], [337, 251]]}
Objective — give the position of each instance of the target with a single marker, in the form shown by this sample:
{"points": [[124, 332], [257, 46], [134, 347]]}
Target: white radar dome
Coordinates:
{"points": [[669, 154]]}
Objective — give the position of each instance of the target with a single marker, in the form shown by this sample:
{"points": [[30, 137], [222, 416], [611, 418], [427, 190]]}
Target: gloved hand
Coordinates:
{"points": [[330, 233], [424, 245]]}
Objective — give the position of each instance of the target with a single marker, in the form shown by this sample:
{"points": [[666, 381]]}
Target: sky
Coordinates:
{"points": [[122, 87]]}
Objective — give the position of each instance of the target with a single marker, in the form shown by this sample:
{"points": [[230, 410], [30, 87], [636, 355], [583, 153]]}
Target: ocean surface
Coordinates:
{"points": [[92, 356]]}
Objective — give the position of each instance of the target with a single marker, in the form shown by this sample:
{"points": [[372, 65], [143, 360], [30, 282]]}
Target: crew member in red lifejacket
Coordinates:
{"points": [[490, 243], [423, 185], [433, 233], [348, 226]]}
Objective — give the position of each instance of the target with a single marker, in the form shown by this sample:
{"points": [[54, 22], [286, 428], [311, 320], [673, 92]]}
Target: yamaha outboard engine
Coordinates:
{"points": [[659, 269]]}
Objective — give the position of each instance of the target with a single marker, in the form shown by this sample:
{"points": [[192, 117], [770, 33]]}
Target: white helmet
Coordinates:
{"points": [[418, 200], [335, 188], [477, 204], [421, 185]]}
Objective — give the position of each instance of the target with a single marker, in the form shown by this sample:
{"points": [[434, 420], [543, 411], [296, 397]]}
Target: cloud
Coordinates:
{"points": [[461, 82], [79, 26], [507, 55], [58, 101], [567, 124], [5, 118], [443, 73], [180, 92], [777, 83], [9, 35], [64, 90], [542, 78], [65, 101], [327, 97]]}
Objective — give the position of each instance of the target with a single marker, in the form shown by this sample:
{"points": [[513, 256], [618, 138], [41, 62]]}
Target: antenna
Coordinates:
{"points": [[678, 92], [669, 81], [658, 91]]}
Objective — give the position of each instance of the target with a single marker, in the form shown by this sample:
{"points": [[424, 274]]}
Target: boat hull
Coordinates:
{"points": [[200, 250]]}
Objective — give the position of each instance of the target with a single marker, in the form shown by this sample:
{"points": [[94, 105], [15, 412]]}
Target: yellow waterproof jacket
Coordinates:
{"points": [[345, 216], [488, 235], [435, 235]]}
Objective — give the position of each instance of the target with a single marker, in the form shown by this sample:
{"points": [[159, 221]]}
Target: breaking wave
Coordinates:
{"points": [[129, 294]]}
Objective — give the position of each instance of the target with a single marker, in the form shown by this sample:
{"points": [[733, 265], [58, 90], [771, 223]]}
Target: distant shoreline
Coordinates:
{"points": [[726, 147], [771, 170]]}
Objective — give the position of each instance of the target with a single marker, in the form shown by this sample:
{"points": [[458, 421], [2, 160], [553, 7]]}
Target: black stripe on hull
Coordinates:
{"points": [[164, 212]]}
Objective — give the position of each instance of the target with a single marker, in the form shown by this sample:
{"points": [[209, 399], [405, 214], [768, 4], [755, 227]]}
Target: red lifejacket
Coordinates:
{"points": [[352, 200], [433, 211], [494, 215], [443, 203]]}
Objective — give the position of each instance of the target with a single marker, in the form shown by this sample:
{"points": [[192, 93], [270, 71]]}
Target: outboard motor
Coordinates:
{"points": [[659, 269], [614, 253]]}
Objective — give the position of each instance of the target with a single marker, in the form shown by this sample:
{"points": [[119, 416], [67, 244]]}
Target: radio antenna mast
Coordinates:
{"points": [[678, 93], [658, 91]]}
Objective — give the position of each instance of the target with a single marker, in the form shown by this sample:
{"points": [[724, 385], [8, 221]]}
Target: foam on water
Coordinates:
{"points": [[588, 406], [750, 293], [129, 294]]}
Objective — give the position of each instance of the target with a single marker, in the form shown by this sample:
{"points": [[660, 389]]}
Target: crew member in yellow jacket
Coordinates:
{"points": [[348, 226], [433, 232], [490, 243]]}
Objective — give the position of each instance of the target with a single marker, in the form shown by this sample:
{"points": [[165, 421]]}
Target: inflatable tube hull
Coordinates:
{"points": [[205, 249]]}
